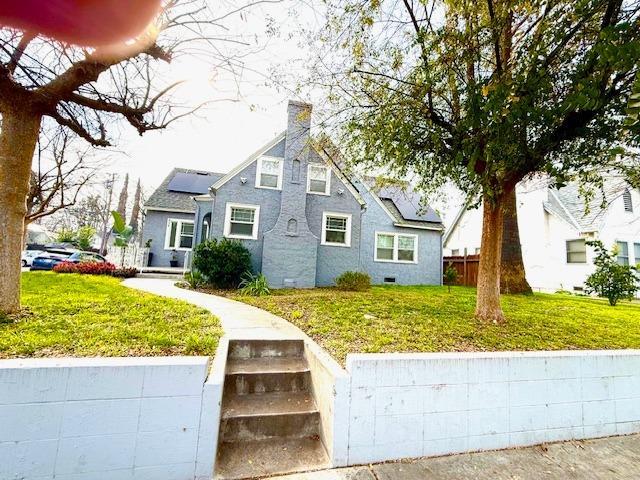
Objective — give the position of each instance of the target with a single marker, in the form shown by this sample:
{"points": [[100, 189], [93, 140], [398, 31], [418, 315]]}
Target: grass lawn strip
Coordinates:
{"points": [[429, 319], [91, 315]]}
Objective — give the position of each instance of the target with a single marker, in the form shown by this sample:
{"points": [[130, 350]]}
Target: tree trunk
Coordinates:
{"points": [[488, 296], [512, 273], [18, 137]]}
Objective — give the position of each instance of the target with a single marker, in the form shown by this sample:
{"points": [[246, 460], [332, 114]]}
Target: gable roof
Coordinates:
{"points": [[585, 215], [176, 192], [403, 205], [271, 147]]}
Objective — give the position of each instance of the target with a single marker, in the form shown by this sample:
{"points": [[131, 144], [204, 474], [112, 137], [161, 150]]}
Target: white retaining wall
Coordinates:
{"points": [[412, 405], [115, 418]]}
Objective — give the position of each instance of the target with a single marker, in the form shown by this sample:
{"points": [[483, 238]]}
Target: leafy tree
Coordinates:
{"points": [[88, 90], [65, 235], [84, 237], [484, 95], [611, 280], [123, 233]]}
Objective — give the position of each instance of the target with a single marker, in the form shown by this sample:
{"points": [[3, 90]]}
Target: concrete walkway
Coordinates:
{"points": [[602, 459], [238, 320]]}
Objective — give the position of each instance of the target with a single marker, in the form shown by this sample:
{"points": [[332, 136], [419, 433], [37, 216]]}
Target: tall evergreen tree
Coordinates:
{"points": [[135, 210], [124, 197]]}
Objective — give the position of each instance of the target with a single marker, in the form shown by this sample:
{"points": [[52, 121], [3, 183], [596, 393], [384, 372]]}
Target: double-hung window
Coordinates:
{"points": [[623, 253], [576, 251], [241, 221], [636, 253], [396, 247], [318, 179], [336, 229], [179, 235], [269, 173]]}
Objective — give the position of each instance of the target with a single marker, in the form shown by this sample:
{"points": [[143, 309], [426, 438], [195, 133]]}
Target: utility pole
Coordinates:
{"points": [[107, 213]]}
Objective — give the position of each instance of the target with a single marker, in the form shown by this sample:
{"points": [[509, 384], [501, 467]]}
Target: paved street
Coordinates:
{"points": [[609, 458]]}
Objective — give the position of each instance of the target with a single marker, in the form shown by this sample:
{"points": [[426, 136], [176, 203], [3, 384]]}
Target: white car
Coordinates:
{"points": [[29, 255]]}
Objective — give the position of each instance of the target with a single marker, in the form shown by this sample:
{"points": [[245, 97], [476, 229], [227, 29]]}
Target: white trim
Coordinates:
{"points": [[327, 190], [247, 162], [227, 221], [395, 247], [167, 234], [378, 201], [347, 236], [566, 251], [259, 171], [170, 210], [340, 174], [418, 227]]}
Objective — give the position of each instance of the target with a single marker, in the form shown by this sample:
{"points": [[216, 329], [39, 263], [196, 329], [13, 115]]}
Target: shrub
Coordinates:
{"points": [[450, 276], [84, 237], [87, 268], [194, 279], [611, 280], [254, 285], [125, 272], [223, 263], [354, 281]]}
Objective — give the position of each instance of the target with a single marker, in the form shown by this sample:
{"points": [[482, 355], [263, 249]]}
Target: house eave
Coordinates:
{"points": [[252, 158], [163, 209], [418, 227]]}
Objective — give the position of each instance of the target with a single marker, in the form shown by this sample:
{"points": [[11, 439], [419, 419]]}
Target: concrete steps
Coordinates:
{"points": [[269, 423]]}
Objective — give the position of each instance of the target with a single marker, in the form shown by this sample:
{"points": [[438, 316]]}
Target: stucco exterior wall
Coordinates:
{"points": [[543, 237], [234, 191], [428, 269], [155, 227]]}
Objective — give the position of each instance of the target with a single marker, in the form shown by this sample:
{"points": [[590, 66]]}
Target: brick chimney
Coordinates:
{"points": [[290, 250]]}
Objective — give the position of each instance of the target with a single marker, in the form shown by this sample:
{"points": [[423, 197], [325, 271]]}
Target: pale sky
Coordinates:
{"points": [[248, 110], [241, 119]]}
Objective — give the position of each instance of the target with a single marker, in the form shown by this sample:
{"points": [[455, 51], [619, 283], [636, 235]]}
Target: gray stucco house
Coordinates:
{"points": [[302, 218]]}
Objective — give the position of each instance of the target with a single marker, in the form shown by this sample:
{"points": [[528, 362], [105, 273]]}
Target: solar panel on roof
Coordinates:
{"points": [[190, 183], [408, 204]]}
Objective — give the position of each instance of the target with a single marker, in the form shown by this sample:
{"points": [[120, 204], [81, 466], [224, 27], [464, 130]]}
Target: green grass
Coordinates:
{"points": [[429, 319], [87, 315]]}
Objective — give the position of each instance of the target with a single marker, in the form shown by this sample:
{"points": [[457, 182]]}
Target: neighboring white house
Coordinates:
{"points": [[554, 225]]}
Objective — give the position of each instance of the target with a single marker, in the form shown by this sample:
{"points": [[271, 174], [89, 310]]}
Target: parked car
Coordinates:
{"points": [[52, 258], [29, 255]]}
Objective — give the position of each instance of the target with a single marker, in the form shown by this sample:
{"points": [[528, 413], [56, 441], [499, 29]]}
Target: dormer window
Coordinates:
{"points": [[628, 202], [269, 173], [318, 179]]}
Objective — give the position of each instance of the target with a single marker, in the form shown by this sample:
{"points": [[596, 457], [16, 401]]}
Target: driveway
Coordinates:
{"points": [[602, 459]]}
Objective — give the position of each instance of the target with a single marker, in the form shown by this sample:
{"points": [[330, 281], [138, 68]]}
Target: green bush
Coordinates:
{"points": [[354, 281], [223, 263], [254, 285], [611, 280], [450, 276], [194, 279]]}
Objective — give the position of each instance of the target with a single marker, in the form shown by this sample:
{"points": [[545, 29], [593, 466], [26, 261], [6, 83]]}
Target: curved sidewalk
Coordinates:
{"points": [[238, 320]]}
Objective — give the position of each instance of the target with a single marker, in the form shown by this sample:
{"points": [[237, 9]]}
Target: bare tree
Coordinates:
{"points": [[58, 176], [86, 90]]}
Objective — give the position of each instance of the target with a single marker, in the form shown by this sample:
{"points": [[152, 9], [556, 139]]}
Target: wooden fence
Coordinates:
{"points": [[466, 266]]}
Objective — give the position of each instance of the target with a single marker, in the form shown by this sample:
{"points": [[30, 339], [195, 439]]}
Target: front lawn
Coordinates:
{"points": [[429, 319], [90, 315]]}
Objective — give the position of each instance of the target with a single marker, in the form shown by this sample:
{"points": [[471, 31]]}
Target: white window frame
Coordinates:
{"points": [[259, 172], [566, 243], [347, 236], [628, 256], [327, 191], [167, 234], [227, 221], [395, 247]]}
